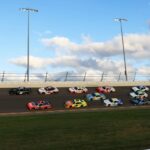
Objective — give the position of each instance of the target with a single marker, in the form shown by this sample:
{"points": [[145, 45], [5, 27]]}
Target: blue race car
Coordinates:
{"points": [[95, 96], [138, 101]]}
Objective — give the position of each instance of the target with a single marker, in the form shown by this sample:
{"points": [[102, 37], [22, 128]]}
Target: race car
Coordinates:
{"points": [[113, 102], [95, 96], [76, 103], [105, 89], [78, 89], [138, 94], [48, 90], [40, 105], [140, 88], [138, 101], [20, 91]]}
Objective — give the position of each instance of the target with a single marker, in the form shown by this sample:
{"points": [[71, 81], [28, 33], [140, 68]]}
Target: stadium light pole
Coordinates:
{"points": [[124, 56], [28, 10]]}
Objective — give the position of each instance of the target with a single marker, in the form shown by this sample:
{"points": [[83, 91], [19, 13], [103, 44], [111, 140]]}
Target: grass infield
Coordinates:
{"points": [[103, 130]]}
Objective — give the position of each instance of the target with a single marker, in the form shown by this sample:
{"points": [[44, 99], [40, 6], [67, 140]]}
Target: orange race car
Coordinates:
{"points": [[40, 105]]}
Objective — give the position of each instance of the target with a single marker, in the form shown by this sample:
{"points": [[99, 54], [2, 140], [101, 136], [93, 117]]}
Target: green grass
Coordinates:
{"points": [[103, 130]]}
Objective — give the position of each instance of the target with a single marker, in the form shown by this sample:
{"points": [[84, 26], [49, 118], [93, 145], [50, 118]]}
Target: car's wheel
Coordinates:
{"points": [[109, 105], [11, 93], [43, 93]]}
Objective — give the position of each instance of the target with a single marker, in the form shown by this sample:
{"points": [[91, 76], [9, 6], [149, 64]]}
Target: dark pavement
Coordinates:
{"points": [[17, 103]]}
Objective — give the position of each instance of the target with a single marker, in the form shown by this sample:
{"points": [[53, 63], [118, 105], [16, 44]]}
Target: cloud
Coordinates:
{"points": [[93, 67], [93, 57], [75, 63], [144, 70], [35, 62], [42, 34], [136, 46]]}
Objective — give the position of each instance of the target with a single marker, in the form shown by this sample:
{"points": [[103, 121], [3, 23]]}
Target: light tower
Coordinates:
{"points": [[28, 10], [124, 56]]}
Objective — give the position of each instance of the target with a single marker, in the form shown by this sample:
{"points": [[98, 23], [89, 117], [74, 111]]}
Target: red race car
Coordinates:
{"points": [[40, 105], [105, 89]]}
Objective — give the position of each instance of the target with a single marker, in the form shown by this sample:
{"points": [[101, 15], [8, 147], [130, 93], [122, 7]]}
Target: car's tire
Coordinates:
{"points": [[11, 93]]}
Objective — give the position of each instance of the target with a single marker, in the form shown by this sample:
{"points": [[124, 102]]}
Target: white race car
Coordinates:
{"points": [[138, 94], [48, 90], [140, 88], [113, 102], [78, 89]]}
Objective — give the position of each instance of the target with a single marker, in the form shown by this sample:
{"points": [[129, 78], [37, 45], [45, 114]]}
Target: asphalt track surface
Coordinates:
{"points": [[17, 103]]}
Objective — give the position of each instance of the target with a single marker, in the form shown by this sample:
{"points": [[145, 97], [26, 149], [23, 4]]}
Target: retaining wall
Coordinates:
{"points": [[71, 84]]}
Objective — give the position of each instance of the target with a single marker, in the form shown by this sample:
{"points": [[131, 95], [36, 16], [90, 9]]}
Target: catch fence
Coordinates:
{"points": [[67, 76]]}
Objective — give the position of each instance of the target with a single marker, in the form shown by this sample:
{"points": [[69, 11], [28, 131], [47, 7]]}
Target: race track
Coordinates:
{"points": [[17, 103]]}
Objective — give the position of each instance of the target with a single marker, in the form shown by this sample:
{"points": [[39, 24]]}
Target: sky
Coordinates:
{"points": [[75, 36]]}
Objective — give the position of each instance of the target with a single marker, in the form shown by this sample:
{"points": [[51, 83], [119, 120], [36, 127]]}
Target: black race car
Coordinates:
{"points": [[19, 91]]}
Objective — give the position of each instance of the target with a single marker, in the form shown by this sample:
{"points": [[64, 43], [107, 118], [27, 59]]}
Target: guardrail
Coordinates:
{"points": [[68, 76]]}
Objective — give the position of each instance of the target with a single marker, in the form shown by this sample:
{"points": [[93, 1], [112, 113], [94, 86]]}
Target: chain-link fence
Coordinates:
{"points": [[67, 76]]}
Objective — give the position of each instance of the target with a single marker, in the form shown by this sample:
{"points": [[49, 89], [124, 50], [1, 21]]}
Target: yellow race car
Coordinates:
{"points": [[76, 103]]}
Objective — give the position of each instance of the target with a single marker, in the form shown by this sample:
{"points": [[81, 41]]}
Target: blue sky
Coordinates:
{"points": [[75, 35]]}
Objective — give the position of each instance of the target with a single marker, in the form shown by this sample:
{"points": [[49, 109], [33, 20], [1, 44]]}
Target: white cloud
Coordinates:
{"points": [[136, 46], [35, 62], [94, 57], [77, 64], [42, 34], [144, 70]]}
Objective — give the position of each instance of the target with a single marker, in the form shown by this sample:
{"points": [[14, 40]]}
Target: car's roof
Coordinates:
{"points": [[96, 93], [49, 87]]}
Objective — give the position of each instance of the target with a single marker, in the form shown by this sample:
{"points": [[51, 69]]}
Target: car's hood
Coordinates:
{"points": [[41, 89], [107, 101]]}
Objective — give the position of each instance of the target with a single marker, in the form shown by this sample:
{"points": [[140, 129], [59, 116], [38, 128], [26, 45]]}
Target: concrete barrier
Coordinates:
{"points": [[71, 84]]}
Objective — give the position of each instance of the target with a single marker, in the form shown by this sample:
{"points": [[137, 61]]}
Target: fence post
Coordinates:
{"points": [[119, 76], [46, 76], [84, 76], [102, 76], [66, 76], [25, 77], [134, 76], [3, 75]]}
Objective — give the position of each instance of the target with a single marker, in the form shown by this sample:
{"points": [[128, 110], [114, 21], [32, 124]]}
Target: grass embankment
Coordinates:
{"points": [[104, 130]]}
